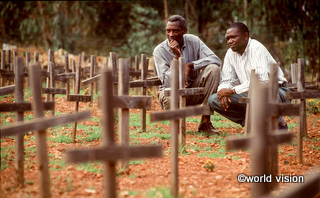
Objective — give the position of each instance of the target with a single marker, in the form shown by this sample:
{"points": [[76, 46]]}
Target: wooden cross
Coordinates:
{"points": [[77, 97], [183, 92], [261, 140], [301, 94], [109, 153], [40, 123], [174, 114], [20, 107], [143, 102]]}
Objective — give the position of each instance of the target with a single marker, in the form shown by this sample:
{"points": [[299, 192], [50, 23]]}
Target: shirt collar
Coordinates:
{"points": [[247, 48]]}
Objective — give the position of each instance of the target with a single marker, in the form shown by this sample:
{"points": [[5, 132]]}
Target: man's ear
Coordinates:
{"points": [[246, 36], [185, 30]]}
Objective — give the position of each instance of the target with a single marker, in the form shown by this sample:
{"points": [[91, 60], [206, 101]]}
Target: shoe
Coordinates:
{"points": [[208, 128], [282, 124]]}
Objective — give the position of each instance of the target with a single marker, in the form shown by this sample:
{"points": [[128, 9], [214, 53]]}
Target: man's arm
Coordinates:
{"points": [[206, 57], [162, 65]]}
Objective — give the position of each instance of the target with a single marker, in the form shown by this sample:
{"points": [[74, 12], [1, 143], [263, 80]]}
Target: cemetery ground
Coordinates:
{"points": [[148, 177]]}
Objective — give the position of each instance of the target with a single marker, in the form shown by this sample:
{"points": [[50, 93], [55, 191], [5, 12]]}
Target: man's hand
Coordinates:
{"points": [[224, 92], [224, 102], [174, 45], [187, 68]]}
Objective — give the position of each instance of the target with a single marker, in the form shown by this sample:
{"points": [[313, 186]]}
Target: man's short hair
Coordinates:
{"points": [[179, 18], [240, 26]]}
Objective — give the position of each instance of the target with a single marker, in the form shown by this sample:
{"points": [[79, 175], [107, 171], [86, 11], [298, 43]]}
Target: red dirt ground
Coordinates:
{"points": [[194, 179]]}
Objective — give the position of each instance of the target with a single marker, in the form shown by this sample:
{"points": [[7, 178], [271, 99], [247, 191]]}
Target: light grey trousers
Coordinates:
{"points": [[209, 78]]}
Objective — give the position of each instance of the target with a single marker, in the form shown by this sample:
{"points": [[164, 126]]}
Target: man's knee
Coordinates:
{"points": [[214, 68], [213, 101]]}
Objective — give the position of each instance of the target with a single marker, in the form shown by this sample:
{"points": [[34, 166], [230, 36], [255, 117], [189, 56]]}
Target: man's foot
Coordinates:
{"points": [[208, 128], [282, 123]]}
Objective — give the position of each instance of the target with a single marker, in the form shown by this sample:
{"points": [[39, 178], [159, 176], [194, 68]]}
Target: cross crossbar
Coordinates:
{"points": [[43, 123]]}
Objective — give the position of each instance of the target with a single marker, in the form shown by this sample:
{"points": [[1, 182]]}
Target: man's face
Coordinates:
{"points": [[236, 40], [174, 31]]}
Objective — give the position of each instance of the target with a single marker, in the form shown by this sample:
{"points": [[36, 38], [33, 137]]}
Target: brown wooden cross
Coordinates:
{"points": [[110, 152], [301, 94], [77, 97], [40, 123], [264, 110], [174, 114], [183, 92], [20, 107]]}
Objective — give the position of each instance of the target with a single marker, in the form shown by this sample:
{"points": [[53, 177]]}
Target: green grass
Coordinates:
{"points": [[214, 154], [290, 154], [6, 153], [135, 162], [155, 192], [317, 148], [94, 167]]}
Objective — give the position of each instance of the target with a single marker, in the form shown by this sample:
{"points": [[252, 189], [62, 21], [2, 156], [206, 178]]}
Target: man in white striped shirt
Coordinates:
{"points": [[202, 68], [243, 55]]}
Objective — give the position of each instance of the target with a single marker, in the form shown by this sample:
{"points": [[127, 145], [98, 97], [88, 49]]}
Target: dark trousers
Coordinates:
{"points": [[237, 111]]}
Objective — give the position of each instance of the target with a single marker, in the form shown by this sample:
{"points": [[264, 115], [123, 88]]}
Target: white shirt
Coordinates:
{"points": [[193, 50], [237, 68]]}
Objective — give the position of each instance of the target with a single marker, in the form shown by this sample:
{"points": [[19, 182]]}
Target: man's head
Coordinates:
{"points": [[237, 37], [176, 27]]}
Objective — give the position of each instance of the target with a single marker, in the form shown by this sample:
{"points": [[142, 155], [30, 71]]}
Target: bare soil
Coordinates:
{"points": [[194, 179]]}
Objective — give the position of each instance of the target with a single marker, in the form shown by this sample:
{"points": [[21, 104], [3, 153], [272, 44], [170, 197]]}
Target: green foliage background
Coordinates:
{"points": [[288, 28]]}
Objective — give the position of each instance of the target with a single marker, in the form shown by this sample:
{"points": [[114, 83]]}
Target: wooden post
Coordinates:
{"points": [[9, 65], [174, 125], [92, 63], [14, 56], [113, 66], [76, 104], [3, 65], [50, 59], [66, 68], [302, 124], [293, 74], [74, 80], [27, 67], [108, 135], [123, 112], [258, 130], [52, 83], [183, 102], [37, 107], [19, 147], [144, 71], [273, 97], [136, 64]]}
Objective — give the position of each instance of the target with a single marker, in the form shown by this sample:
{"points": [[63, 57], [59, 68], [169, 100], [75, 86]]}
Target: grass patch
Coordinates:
{"points": [[162, 191], [215, 154], [6, 153], [94, 167], [317, 148], [135, 162]]}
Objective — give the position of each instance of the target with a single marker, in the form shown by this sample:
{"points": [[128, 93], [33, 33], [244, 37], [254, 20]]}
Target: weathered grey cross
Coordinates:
{"points": [[264, 110], [109, 153], [40, 123], [174, 114]]}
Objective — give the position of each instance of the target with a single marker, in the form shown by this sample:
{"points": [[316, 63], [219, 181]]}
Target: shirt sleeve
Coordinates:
{"points": [[206, 57], [162, 66]]}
